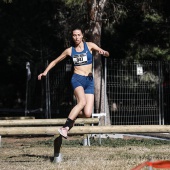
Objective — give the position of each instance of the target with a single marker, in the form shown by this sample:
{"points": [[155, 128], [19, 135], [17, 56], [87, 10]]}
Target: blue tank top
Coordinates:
{"points": [[81, 58]]}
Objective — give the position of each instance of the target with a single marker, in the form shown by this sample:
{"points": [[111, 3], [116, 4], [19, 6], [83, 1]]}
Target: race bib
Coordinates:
{"points": [[80, 59]]}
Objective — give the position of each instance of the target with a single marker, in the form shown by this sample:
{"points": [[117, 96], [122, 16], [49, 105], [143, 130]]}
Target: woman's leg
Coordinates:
{"points": [[84, 105], [80, 95], [88, 109], [81, 103]]}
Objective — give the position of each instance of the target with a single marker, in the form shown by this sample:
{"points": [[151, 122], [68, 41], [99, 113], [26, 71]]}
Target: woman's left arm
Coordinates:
{"points": [[93, 46]]}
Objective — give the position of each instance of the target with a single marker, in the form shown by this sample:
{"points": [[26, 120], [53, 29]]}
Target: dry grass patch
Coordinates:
{"points": [[36, 153]]}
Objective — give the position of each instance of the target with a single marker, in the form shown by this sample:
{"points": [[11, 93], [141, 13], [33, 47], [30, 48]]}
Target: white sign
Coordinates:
{"points": [[139, 69]]}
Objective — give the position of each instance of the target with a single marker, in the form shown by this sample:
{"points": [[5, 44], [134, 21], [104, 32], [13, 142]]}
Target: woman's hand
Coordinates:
{"points": [[104, 53], [93, 46], [40, 76]]}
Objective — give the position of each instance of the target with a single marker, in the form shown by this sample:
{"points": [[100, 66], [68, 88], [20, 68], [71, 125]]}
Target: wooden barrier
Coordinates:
{"points": [[36, 127], [43, 122], [18, 118], [52, 130]]}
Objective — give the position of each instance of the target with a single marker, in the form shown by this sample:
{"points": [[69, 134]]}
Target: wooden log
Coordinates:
{"points": [[17, 118], [86, 130], [34, 122]]}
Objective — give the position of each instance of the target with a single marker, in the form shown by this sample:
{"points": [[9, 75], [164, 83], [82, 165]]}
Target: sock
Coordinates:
{"points": [[69, 123]]}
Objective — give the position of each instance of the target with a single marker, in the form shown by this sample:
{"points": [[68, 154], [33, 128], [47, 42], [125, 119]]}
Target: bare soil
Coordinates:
{"points": [[35, 153]]}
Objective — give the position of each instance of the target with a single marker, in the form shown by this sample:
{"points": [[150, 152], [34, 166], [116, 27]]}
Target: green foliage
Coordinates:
{"points": [[73, 2], [149, 77], [142, 32], [155, 17], [148, 52], [132, 30], [160, 52], [8, 1]]}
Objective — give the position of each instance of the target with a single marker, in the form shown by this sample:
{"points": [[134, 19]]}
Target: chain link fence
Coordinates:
{"points": [[137, 92]]}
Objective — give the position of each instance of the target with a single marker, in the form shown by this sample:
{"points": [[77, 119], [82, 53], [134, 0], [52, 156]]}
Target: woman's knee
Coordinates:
{"points": [[87, 114]]}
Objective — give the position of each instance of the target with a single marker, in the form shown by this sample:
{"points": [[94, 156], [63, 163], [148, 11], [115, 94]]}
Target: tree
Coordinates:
{"points": [[89, 14], [95, 13], [94, 19]]}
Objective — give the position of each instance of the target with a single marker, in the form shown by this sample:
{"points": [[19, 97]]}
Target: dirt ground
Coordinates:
{"points": [[35, 153]]}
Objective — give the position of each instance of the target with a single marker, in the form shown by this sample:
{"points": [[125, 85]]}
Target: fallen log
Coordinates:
{"points": [[52, 130], [40, 122]]}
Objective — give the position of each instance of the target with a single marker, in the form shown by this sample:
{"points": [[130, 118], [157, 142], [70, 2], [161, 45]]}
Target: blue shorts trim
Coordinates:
{"points": [[86, 82]]}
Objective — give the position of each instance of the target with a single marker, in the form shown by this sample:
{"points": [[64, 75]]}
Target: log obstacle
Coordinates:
{"points": [[41, 127], [77, 130], [13, 118], [44, 122]]}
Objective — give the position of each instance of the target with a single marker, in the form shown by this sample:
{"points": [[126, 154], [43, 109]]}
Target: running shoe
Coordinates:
{"points": [[63, 132]]}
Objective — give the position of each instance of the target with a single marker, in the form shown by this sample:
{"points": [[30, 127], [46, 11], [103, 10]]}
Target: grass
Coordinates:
{"points": [[113, 154], [110, 142]]}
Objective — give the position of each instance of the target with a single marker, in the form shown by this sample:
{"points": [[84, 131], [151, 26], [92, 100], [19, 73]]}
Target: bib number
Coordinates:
{"points": [[80, 59]]}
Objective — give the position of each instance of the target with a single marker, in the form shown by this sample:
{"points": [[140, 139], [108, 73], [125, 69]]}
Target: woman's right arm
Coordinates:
{"points": [[54, 62]]}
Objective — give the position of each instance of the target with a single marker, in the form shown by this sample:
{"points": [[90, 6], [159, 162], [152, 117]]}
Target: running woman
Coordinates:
{"points": [[82, 78]]}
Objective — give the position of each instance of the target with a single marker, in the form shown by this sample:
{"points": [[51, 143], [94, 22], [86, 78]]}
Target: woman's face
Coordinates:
{"points": [[77, 36]]}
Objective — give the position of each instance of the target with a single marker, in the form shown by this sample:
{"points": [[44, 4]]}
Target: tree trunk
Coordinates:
{"points": [[95, 9]]}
